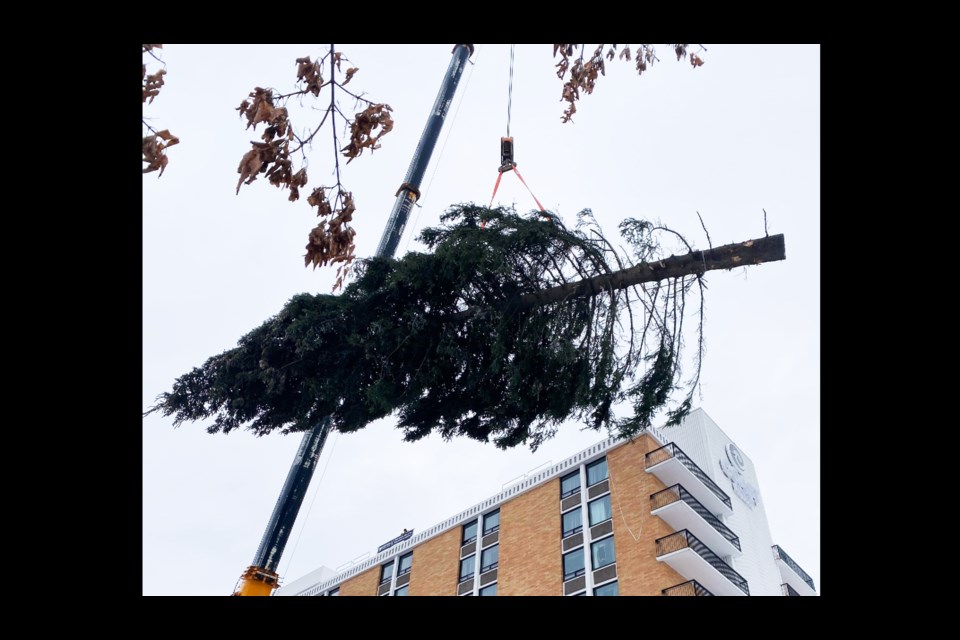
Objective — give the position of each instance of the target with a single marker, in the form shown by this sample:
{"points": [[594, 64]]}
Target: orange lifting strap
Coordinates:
{"points": [[507, 164]]}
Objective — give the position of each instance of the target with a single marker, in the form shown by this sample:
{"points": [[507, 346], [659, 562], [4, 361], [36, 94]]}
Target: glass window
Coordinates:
{"points": [[607, 590], [334, 592], [466, 567], [602, 552], [386, 572], [573, 564], [490, 590], [489, 558], [469, 532], [572, 522], [570, 484], [491, 522], [600, 510], [596, 472], [405, 563], [402, 591]]}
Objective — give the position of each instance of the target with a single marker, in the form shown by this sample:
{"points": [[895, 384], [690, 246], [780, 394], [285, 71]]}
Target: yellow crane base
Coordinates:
{"points": [[257, 582]]}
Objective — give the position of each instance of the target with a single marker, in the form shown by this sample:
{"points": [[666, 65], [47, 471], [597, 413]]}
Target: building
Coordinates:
{"points": [[675, 511]]}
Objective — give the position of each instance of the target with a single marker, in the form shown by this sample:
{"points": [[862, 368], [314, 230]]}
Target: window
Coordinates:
{"points": [[467, 566], [405, 563], [607, 590], [596, 472], [573, 564], [489, 558], [600, 510], [469, 532], [489, 591], [491, 522], [602, 553], [570, 484], [572, 522], [402, 591], [386, 572], [334, 592]]}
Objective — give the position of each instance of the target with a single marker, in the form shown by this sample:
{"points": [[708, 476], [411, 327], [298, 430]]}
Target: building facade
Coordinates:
{"points": [[675, 511]]}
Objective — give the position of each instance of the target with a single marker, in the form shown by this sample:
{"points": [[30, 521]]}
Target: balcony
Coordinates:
{"points": [[788, 590], [677, 507], [689, 588], [792, 574], [673, 466], [695, 561]]}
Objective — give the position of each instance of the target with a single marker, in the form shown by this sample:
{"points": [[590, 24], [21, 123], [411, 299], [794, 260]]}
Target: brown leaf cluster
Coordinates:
{"points": [[362, 130], [309, 74], [262, 109], [152, 84], [331, 241], [154, 150], [272, 156], [582, 75], [646, 56]]}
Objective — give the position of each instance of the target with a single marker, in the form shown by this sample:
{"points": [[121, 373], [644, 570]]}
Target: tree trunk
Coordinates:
{"points": [[729, 256]]}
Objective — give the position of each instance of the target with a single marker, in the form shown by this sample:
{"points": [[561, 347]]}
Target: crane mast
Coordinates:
{"points": [[261, 577]]}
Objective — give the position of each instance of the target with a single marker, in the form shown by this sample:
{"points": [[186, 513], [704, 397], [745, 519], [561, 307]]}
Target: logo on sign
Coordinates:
{"points": [[733, 468]]}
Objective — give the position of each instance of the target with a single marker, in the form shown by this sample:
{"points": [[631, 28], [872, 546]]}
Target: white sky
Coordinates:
{"points": [[737, 135]]}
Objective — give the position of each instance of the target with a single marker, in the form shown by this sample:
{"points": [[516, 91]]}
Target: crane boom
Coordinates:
{"points": [[261, 577]]}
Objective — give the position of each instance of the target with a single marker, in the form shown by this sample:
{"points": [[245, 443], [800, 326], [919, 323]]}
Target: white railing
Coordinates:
{"points": [[476, 509]]}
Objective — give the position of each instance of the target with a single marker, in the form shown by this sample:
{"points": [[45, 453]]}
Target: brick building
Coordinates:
{"points": [[676, 511]]}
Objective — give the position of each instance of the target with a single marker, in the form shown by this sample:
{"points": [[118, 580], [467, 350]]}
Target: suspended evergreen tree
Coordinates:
{"points": [[501, 332]]}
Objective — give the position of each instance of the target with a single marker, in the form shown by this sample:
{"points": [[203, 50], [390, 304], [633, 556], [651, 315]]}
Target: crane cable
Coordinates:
{"points": [[510, 91], [506, 151]]}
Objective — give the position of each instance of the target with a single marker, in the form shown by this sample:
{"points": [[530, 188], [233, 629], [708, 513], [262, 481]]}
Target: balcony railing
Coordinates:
{"points": [[780, 554], [686, 540], [671, 450], [677, 493], [688, 588], [788, 590]]}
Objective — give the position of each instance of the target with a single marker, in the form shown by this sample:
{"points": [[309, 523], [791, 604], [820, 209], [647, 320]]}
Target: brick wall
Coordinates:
{"points": [[436, 565], [530, 543], [363, 584], [639, 572]]}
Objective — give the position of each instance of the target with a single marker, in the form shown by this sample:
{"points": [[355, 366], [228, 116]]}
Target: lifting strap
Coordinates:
{"points": [[506, 152]]}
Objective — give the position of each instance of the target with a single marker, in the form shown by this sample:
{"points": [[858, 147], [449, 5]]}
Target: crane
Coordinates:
{"points": [[261, 577]]}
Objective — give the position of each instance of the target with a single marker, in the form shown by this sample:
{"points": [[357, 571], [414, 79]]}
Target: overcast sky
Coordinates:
{"points": [[738, 135]]}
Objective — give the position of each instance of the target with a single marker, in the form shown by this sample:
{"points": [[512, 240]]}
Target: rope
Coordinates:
{"points": [[510, 91]]}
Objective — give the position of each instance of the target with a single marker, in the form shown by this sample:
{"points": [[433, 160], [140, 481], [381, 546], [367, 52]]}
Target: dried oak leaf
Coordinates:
{"points": [[299, 179], [696, 61], [261, 109], [152, 84], [350, 72], [319, 200], [361, 130], [309, 73], [258, 160], [154, 150]]}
